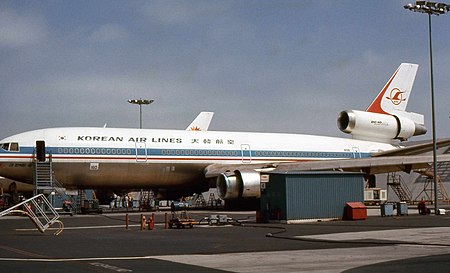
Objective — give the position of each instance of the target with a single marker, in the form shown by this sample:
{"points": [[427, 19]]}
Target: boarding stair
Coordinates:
{"points": [[46, 183], [396, 183], [426, 178], [427, 194], [43, 176], [39, 211]]}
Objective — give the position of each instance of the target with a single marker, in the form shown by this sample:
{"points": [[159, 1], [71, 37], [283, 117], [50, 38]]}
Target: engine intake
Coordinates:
{"points": [[239, 184]]}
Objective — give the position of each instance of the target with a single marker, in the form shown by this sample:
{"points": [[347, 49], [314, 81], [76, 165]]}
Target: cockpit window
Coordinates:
{"points": [[13, 146]]}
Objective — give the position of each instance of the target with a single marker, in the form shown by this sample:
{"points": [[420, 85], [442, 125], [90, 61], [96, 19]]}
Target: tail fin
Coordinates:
{"points": [[394, 96], [386, 118], [201, 122]]}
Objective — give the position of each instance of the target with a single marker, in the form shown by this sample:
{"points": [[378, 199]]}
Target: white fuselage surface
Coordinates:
{"points": [[130, 158]]}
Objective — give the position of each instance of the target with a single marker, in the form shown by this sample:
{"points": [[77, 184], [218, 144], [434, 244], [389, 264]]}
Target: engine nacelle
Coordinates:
{"points": [[374, 126], [239, 184]]}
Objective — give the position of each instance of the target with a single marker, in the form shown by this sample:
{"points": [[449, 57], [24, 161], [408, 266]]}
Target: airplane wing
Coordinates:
{"points": [[402, 159], [374, 165], [415, 149], [215, 170]]}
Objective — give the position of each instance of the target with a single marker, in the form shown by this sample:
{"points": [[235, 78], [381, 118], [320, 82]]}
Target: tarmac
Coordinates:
{"points": [[101, 243]]}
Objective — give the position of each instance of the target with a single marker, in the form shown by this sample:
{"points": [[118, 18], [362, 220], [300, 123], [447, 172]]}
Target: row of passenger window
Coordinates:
{"points": [[256, 153], [116, 151], [94, 151], [200, 152], [299, 154]]}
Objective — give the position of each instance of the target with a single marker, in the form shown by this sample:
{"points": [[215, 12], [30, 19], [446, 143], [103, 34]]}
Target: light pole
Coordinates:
{"points": [[431, 8], [140, 102]]}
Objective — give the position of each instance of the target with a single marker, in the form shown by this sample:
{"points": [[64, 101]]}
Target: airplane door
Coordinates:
{"points": [[246, 153], [141, 152], [356, 152], [40, 150]]}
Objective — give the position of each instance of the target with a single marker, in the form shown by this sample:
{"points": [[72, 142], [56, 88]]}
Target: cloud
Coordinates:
{"points": [[19, 30]]}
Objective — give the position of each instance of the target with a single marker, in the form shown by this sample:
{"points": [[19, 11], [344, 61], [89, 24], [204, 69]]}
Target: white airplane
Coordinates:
{"points": [[200, 123], [181, 162]]}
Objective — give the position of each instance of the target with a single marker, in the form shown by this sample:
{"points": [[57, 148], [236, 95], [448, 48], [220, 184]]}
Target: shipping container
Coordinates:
{"points": [[300, 196]]}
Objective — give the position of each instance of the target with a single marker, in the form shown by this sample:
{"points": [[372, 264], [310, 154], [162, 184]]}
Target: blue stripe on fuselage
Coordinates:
{"points": [[186, 153]]}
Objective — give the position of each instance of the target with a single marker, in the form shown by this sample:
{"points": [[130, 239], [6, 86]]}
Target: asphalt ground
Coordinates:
{"points": [[100, 243]]}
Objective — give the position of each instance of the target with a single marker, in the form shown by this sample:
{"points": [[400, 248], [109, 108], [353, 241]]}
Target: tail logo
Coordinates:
{"points": [[396, 96]]}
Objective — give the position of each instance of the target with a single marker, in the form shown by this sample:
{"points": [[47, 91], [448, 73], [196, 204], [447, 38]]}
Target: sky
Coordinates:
{"points": [[261, 66]]}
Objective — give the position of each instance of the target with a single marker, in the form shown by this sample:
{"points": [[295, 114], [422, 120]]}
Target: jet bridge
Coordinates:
{"points": [[39, 211]]}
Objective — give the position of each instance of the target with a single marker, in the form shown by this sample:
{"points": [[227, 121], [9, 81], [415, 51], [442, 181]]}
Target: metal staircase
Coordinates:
{"points": [[43, 176], [443, 171], [428, 188], [39, 211], [396, 183], [46, 183], [426, 178]]}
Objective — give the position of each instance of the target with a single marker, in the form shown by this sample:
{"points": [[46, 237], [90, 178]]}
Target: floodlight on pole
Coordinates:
{"points": [[431, 8], [140, 102]]}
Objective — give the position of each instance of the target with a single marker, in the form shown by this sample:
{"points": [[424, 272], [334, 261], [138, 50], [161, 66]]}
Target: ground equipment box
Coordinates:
{"points": [[387, 209], [355, 211], [402, 208]]}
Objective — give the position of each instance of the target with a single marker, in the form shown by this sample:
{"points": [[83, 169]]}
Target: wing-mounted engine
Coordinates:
{"points": [[239, 184], [379, 127]]}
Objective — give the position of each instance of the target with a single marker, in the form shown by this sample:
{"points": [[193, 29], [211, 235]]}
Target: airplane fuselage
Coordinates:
{"points": [[134, 158]]}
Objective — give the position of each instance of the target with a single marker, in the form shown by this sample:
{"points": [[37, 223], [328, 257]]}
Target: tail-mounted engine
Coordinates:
{"points": [[239, 184], [374, 126]]}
